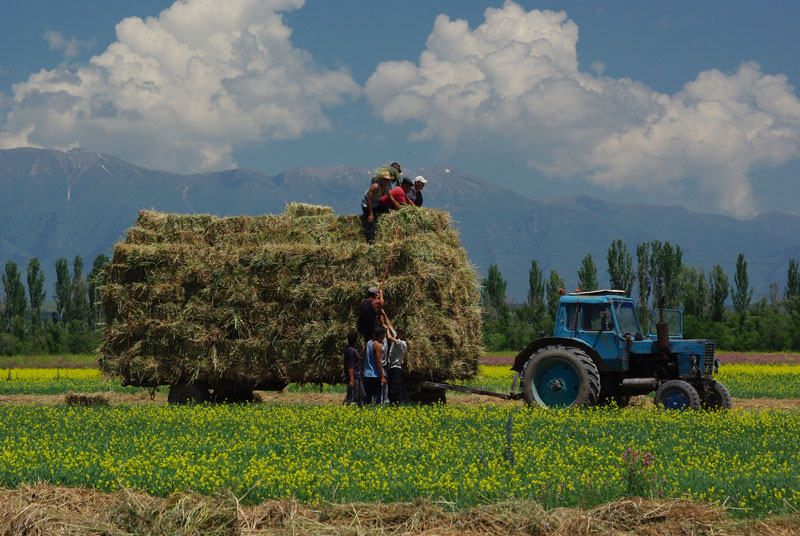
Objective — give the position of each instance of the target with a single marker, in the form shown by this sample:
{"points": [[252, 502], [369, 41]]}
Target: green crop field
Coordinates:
{"points": [[461, 454]]}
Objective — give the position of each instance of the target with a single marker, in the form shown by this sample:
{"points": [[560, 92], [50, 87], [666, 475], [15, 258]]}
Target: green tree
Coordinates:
{"points": [[718, 290], [63, 290], [792, 281], [643, 278], [555, 284], [741, 293], [536, 287], [79, 304], [494, 290], [95, 283], [620, 267], [36, 291], [16, 303], [665, 269], [587, 274], [702, 294]]}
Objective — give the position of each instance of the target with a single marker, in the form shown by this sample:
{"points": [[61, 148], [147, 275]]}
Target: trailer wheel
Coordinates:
{"points": [[426, 396], [677, 394], [717, 396], [187, 393], [560, 377]]}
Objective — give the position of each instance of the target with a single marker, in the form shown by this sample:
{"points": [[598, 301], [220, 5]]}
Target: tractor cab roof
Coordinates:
{"points": [[594, 296]]}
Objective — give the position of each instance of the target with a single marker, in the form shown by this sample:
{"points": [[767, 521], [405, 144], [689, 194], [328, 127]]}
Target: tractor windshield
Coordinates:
{"points": [[626, 317]]}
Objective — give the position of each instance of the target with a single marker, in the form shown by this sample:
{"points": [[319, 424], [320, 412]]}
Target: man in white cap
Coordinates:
{"points": [[415, 195]]}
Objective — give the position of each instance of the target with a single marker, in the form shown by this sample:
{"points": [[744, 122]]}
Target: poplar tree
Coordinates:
{"points": [[36, 291], [792, 281], [587, 274], [63, 290], [554, 285], [16, 303], [718, 290], [620, 267], [79, 304], [742, 293], [536, 292]]}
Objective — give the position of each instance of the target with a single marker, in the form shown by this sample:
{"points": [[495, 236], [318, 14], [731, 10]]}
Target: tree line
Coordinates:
{"points": [[658, 275], [71, 328]]}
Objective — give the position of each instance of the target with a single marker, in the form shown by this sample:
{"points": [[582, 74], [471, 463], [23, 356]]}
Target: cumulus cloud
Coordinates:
{"points": [[515, 78], [178, 91], [70, 48]]}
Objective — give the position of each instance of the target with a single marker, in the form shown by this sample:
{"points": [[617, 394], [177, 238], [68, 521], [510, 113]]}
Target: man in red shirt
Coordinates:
{"points": [[397, 196]]}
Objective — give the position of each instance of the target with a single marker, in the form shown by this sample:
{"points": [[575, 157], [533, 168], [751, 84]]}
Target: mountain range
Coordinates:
{"points": [[58, 204]]}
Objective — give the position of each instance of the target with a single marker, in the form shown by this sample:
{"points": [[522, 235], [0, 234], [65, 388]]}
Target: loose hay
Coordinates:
{"points": [[268, 300], [45, 509]]}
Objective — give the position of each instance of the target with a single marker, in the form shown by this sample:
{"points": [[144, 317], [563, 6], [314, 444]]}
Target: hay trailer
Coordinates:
{"points": [[598, 355], [216, 307]]}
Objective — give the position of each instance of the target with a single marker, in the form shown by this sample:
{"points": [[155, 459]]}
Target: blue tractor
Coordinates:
{"points": [[599, 355]]}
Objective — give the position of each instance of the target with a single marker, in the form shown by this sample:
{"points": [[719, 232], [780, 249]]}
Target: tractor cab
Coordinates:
{"points": [[674, 320]]}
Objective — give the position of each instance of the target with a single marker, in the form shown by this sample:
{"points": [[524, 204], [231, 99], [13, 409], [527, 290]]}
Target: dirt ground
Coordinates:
{"points": [[287, 397], [59, 511]]}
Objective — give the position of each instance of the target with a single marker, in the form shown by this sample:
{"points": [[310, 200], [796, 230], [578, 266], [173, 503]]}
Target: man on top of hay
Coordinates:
{"points": [[371, 206], [368, 313], [415, 195], [393, 169], [396, 198]]}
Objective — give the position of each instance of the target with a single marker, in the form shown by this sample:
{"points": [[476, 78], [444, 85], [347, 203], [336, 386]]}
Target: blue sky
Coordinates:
{"points": [[691, 103]]}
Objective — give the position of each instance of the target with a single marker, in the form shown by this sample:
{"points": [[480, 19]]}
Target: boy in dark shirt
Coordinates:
{"points": [[352, 369]]}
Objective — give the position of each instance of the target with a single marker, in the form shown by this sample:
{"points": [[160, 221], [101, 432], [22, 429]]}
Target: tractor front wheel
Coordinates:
{"points": [[560, 377], [677, 394], [717, 396]]}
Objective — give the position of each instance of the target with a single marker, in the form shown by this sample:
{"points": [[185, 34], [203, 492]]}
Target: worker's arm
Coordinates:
{"points": [[395, 204], [387, 323], [352, 378], [378, 350], [372, 189]]}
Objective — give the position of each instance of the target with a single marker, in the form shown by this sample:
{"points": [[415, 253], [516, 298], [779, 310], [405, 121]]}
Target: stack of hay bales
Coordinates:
{"points": [[269, 299]]}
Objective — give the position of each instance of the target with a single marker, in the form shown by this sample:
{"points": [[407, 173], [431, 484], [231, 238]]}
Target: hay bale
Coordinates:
{"points": [[271, 298], [85, 400]]}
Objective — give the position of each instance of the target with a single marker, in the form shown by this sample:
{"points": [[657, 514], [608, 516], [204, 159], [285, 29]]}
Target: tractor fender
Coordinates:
{"points": [[522, 357]]}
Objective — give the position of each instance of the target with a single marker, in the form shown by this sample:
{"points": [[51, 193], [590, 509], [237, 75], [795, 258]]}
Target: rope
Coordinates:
{"points": [[391, 249]]}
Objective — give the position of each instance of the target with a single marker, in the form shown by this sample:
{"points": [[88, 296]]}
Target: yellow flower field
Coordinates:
{"points": [[467, 455]]}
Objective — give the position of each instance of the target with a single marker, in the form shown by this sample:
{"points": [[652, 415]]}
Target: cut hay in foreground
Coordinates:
{"points": [[58, 511], [266, 300]]}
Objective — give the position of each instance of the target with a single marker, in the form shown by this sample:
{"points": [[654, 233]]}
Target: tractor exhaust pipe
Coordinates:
{"points": [[662, 330]]}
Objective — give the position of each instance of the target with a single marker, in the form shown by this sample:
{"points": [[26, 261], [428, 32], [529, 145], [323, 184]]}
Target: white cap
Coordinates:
{"points": [[420, 178]]}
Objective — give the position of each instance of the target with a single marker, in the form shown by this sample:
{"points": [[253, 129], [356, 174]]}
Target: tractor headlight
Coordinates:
{"points": [[717, 364]]}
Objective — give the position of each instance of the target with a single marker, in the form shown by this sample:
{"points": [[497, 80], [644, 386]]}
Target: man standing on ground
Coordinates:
{"points": [[393, 170], [395, 361], [415, 195], [374, 377], [352, 369], [371, 207]]}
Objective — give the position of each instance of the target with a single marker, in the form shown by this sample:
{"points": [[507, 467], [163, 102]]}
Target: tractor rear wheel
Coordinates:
{"points": [[560, 377], [677, 394], [717, 396], [187, 393]]}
